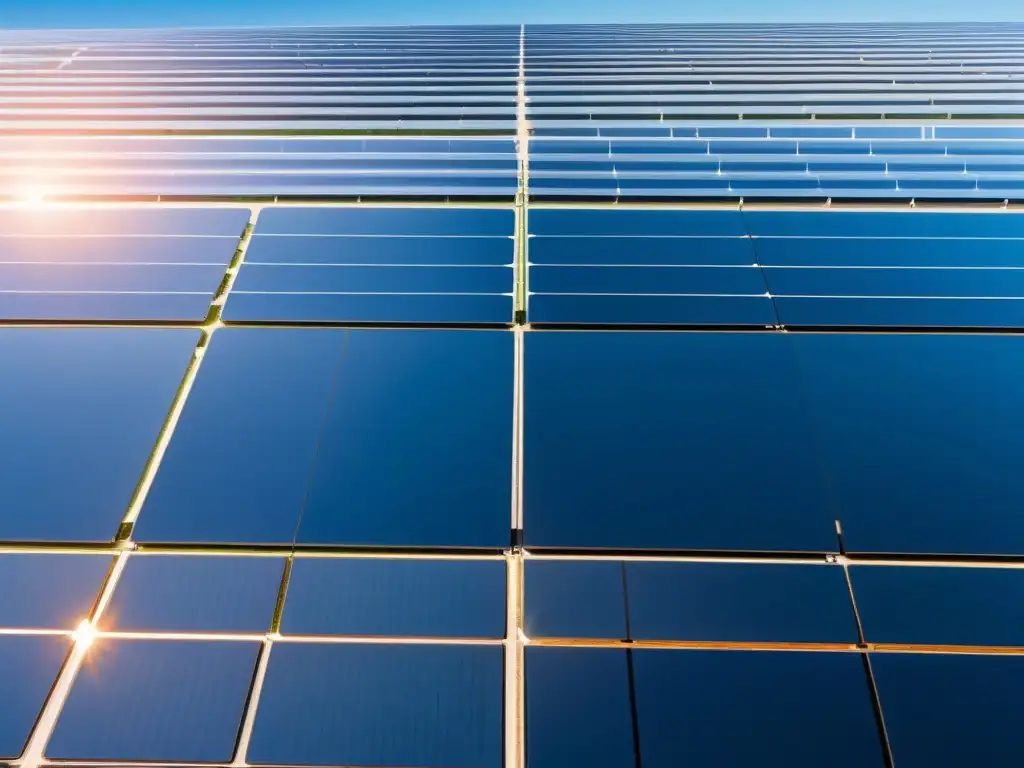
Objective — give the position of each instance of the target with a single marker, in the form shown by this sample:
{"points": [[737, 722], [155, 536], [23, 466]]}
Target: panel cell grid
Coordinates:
{"points": [[511, 396]]}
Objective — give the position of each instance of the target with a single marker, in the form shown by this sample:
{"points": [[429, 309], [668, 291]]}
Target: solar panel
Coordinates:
{"points": [[183, 701], [113, 264], [938, 706], [423, 283], [381, 597], [182, 593], [407, 704], [605, 395]]}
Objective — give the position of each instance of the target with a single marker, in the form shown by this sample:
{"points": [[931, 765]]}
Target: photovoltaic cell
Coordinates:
{"points": [[339, 283], [156, 700], [28, 667], [577, 708], [731, 602], [258, 404], [82, 409], [932, 605], [195, 594], [574, 598], [687, 699], [918, 433], [337, 427], [137, 264], [47, 591], [416, 447], [660, 440], [355, 704], [950, 709], [425, 598]]}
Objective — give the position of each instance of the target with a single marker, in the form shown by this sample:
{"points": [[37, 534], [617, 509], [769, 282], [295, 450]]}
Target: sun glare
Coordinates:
{"points": [[84, 634]]}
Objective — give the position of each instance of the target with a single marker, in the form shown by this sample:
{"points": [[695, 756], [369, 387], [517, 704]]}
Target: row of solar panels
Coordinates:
{"points": [[457, 265], [184, 701], [322, 597], [711, 161], [644, 440]]}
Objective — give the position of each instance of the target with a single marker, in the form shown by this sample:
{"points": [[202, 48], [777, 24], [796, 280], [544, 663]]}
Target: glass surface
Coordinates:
{"points": [[48, 591], [81, 409], [424, 598], [358, 704], [179, 593], [156, 700]]}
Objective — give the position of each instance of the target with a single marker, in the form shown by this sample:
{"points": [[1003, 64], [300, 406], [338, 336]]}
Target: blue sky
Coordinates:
{"points": [[160, 13]]}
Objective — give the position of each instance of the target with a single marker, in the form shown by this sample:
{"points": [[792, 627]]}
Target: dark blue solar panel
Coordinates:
{"points": [[649, 280], [124, 221], [258, 404], [99, 307], [117, 278], [574, 598], [370, 249], [81, 411], [71, 249], [416, 280], [951, 709], [661, 440], [28, 668], [587, 250], [195, 594], [895, 297], [257, 278], [369, 308], [577, 708], [388, 428], [416, 449], [928, 605], [425, 598], [380, 705], [475, 222], [637, 223], [919, 433], [901, 312], [734, 602], [648, 309], [156, 700], [887, 224], [742, 707], [879, 252], [49, 591]]}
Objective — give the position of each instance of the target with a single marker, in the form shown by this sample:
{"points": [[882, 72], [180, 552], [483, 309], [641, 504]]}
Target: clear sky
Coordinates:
{"points": [[163, 13]]}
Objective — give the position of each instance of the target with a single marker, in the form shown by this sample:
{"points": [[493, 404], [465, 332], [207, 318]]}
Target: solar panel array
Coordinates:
{"points": [[474, 397]]}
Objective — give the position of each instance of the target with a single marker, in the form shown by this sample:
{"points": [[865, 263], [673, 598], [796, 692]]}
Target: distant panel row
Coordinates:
{"points": [[679, 440], [758, 267], [357, 704], [76, 166], [114, 263]]}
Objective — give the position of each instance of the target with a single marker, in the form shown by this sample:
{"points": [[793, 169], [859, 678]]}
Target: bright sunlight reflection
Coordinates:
{"points": [[84, 634]]}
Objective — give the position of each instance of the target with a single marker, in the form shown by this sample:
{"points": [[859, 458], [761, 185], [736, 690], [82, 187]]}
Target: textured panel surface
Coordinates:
{"points": [[81, 409], [156, 700], [431, 598], [380, 705], [577, 708], [46, 591], [196, 594]]}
